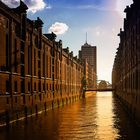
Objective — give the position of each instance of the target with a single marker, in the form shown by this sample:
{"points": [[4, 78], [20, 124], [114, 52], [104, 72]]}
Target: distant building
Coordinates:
{"points": [[88, 54]]}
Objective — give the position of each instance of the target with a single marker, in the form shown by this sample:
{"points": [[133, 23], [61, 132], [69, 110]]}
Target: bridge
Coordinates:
{"points": [[98, 89], [102, 86], [103, 90]]}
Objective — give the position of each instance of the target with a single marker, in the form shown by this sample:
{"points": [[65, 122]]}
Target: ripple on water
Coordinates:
{"points": [[98, 117]]}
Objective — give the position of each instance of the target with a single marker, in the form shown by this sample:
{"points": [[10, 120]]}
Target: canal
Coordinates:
{"points": [[98, 117]]}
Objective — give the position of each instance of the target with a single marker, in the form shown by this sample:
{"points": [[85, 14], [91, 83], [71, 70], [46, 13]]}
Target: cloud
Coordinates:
{"points": [[11, 3], [98, 31], [33, 5], [121, 5], [58, 28], [107, 5], [90, 7], [108, 35]]}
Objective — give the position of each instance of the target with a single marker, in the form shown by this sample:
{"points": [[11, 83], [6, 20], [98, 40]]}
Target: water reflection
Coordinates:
{"points": [[74, 125], [98, 117], [105, 106]]}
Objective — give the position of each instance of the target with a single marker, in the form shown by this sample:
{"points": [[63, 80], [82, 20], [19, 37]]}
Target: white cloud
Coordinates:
{"points": [[33, 5], [121, 5], [11, 3], [91, 7], [98, 31], [58, 28]]}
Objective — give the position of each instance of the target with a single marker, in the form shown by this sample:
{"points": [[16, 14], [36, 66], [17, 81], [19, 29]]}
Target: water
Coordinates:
{"points": [[98, 117]]}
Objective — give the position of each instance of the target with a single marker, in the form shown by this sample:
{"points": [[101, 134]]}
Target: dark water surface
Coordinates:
{"points": [[98, 117]]}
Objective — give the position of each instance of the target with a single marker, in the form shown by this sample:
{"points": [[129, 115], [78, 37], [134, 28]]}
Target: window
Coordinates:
{"points": [[44, 64], [29, 60], [52, 60], [7, 86], [34, 62], [22, 47], [52, 68], [22, 86], [47, 58], [39, 86], [7, 100], [39, 54], [7, 23], [50, 86], [22, 70], [23, 99], [39, 65], [34, 86], [43, 87], [53, 77], [17, 30], [15, 99], [29, 36], [36, 41], [15, 57], [15, 86], [39, 73], [7, 51], [22, 58], [29, 86]]}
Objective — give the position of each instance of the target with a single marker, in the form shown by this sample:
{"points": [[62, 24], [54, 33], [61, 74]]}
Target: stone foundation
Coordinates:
{"points": [[12, 112]]}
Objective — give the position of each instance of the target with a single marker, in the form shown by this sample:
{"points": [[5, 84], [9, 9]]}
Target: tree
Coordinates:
{"points": [[84, 83]]}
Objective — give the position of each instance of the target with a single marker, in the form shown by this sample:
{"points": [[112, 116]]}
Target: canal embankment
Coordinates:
{"points": [[31, 107]]}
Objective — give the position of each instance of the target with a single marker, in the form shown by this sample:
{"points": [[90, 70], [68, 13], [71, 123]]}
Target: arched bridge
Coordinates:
{"points": [[103, 90], [102, 85]]}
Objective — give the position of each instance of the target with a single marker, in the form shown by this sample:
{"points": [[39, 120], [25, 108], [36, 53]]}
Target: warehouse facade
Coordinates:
{"points": [[126, 69], [36, 73]]}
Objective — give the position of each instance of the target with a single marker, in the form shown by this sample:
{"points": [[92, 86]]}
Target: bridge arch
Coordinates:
{"points": [[103, 83]]}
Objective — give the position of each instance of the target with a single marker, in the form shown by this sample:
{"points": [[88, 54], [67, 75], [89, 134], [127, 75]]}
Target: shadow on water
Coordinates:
{"points": [[98, 117], [127, 129]]}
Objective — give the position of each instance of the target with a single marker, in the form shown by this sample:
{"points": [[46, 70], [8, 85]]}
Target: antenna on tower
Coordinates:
{"points": [[86, 37]]}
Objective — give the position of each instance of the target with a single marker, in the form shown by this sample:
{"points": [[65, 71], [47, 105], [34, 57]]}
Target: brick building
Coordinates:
{"points": [[36, 73], [126, 69]]}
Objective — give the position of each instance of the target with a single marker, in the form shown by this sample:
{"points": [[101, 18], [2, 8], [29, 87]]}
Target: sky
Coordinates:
{"points": [[72, 19]]}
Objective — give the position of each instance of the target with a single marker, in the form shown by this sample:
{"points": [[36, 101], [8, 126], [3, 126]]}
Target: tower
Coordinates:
{"points": [[88, 53]]}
